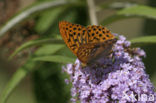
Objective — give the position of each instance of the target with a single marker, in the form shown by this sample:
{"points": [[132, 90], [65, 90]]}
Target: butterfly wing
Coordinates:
{"points": [[90, 52], [99, 34], [74, 35], [100, 43], [87, 43], [84, 52]]}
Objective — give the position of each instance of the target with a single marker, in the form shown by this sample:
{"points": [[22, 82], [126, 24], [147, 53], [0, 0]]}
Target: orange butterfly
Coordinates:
{"points": [[89, 43]]}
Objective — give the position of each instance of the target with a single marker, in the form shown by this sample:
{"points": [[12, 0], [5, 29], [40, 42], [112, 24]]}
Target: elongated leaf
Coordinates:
{"points": [[49, 85], [49, 49], [17, 77], [133, 11], [71, 13], [139, 10], [55, 58], [113, 18], [145, 40], [46, 19], [28, 12], [34, 43], [65, 52]]}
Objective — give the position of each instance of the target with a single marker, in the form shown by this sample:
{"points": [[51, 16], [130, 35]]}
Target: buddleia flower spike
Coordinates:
{"points": [[119, 78]]}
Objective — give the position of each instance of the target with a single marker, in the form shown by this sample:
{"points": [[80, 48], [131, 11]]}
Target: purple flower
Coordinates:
{"points": [[120, 78]]}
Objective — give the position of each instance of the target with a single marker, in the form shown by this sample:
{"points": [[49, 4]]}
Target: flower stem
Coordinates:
{"points": [[92, 12]]}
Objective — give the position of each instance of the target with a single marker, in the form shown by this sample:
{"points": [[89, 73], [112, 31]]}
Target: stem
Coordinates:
{"points": [[92, 12]]}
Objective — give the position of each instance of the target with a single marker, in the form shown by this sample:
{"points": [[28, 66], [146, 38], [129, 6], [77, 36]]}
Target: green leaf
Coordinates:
{"points": [[34, 43], [15, 80], [65, 52], [71, 13], [133, 11], [143, 41], [55, 58], [28, 12], [47, 18], [139, 10], [49, 49], [49, 85], [113, 18]]}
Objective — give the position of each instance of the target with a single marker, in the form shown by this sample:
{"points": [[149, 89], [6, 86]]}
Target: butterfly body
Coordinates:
{"points": [[88, 44]]}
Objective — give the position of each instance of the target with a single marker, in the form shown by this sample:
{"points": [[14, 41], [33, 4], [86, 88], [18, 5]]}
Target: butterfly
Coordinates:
{"points": [[87, 43]]}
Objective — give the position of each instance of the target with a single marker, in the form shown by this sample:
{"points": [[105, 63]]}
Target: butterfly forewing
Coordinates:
{"points": [[74, 35]]}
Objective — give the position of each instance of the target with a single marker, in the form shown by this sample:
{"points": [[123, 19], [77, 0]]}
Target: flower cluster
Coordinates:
{"points": [[119, 78]]}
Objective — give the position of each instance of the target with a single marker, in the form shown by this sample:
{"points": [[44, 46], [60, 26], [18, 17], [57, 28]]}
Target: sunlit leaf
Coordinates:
{"points": [[47, 18], [65, 52], [139, 10], [49, 49], [55, 58], [34, 43], [143, 41], [26, 13], [133, 11]]}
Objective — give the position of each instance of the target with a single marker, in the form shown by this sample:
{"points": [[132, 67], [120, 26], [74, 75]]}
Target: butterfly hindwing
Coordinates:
{"points": [[84, 52], [88, 53], [74, 35], [98, 34]]}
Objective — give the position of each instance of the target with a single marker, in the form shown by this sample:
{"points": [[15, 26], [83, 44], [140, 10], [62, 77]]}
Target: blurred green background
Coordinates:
{"points": [[36, 52]]}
